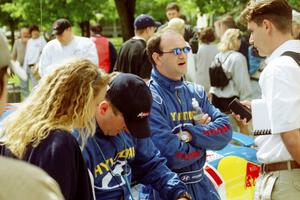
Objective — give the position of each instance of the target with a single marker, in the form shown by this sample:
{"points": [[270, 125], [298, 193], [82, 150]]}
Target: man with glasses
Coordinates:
{"points": [[179, 136]]}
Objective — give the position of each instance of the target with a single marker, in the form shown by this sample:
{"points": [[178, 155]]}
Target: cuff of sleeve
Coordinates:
{"points": [[184, 194], [193, 141]]}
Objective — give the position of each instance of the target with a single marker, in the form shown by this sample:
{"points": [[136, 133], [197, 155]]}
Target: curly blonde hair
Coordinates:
{"points": [[64, 100]]}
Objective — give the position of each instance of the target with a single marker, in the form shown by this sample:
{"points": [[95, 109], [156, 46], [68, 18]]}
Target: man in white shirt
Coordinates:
{"points": [[270, 24], [65, 46], [33, 51]]}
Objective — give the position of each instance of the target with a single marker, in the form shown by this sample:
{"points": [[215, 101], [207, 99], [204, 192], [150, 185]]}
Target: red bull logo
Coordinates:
{"points": [[252, 173]]}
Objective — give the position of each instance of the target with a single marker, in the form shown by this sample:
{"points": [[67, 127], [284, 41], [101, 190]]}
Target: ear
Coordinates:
{"points": [[69, 29], [268, 25], [156, 57], [103, 107], [148, 29]]}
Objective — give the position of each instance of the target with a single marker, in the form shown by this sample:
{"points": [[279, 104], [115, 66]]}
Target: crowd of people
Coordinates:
{"points": [[98, 124]]}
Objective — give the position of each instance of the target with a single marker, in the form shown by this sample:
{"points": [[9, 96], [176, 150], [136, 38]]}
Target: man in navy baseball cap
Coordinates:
{"points": [[143, 21], [132, 56], [121, 146], [130, 95]]}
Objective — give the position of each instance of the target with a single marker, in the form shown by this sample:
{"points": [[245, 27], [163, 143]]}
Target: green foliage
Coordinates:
{"points": [[221, 7], [45, 12], [16, 13], [156, 8], [117, 42], [295, 4]]}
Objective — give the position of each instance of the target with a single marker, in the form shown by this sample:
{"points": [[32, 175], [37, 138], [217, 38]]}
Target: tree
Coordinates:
{"points": [[45, 12], [15, 13], [8, 20], [126, 10]]}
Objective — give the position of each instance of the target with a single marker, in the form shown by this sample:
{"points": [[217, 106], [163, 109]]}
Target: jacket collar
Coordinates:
{"points": [[291, 45], [99, 132], [166, 82]]}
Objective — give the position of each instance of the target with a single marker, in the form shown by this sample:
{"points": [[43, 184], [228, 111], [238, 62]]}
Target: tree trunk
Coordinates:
{"points": [[85, 28], [12, 28], [126, 9]]}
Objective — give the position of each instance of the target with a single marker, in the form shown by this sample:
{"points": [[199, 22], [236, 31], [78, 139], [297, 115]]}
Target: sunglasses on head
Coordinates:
{"points": [[178, 51]]}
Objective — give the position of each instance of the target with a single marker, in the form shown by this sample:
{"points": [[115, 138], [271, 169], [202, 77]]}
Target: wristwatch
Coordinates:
{"points": [[183, 136], [185, 195]]}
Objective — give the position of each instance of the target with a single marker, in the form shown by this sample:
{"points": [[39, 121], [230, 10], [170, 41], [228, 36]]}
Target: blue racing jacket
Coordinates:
{"points": [[113, 159], [172, 111]]}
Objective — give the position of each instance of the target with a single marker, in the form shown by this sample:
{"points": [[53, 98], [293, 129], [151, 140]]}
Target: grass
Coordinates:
{"points": [[117, 42], [13, 92], [14, 79]]}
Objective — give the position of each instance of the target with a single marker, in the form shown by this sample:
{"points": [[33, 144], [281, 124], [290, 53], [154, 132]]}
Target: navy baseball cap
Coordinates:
{"points": [[60, 25], [143, 21], [132, 97]]}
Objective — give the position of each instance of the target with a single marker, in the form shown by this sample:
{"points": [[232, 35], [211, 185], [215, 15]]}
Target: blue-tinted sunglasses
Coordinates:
{"points": [[178, 51]]}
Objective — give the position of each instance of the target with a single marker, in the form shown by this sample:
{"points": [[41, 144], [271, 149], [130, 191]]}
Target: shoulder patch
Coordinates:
{"points": [[156, 97], [199, 90], [196, 89]]}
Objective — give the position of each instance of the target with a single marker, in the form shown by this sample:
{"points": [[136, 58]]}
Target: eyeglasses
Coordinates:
{"points": [[177, 51]]}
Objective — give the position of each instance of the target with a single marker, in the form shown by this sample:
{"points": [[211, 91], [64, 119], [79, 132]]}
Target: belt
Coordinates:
{"points": [[286, 165], [191, 177]]}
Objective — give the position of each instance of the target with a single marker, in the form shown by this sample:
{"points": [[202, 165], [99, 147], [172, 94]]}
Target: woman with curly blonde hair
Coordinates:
{"points": [[39, 131]]}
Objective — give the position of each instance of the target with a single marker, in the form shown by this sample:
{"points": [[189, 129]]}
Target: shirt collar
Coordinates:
{"points": [[290, 45], [138, 38], [164, 81]]}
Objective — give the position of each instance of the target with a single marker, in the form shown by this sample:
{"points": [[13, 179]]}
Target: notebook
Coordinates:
{"points": [[260, 118]]}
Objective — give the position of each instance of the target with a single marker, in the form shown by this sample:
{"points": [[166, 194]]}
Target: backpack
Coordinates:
{"points": [[218, 77]]}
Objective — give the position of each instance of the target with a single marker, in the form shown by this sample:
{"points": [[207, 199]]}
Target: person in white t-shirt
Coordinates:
{"points": [[65, 46], [270, 22], [33, 52]]}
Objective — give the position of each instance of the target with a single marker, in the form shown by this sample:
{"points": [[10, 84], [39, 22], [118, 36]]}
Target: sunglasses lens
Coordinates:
{"points": [[177, 51], [186, 50]]}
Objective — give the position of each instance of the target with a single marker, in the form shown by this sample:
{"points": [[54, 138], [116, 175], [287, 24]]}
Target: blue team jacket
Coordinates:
{"points": [[172, 111], [108, 158]]}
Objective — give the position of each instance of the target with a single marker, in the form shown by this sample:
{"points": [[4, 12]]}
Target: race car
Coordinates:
{"points": [[234, 169]]}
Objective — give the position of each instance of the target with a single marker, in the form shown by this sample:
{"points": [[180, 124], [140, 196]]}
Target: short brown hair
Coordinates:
{"points": [[206, 35], [279, 12], [140, 31], [227, 21], [96, 28], [153, 45], [173, 6]]}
